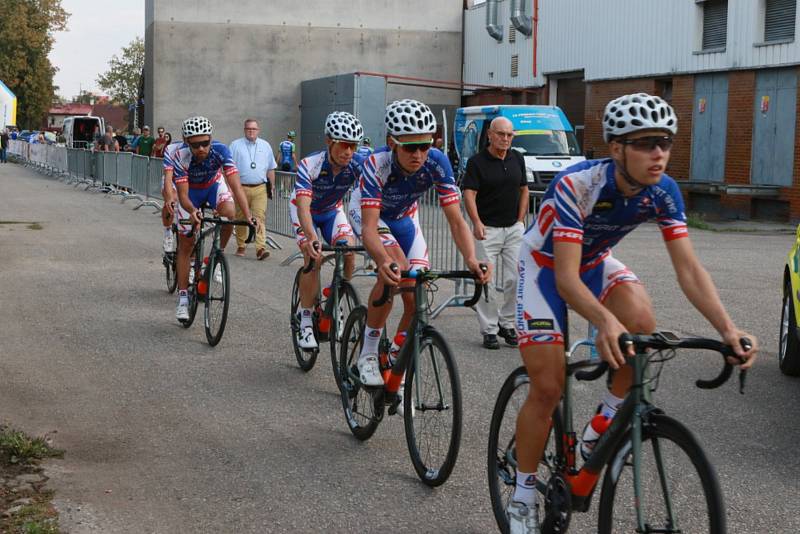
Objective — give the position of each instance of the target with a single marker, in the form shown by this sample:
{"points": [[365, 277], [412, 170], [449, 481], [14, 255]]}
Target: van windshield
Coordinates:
{"points": [[546, 143]]}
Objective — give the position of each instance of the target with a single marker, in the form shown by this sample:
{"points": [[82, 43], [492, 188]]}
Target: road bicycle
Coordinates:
{"points": [[210, 277], [657, 477], [170, 261], [431, 393], [332, 306]]}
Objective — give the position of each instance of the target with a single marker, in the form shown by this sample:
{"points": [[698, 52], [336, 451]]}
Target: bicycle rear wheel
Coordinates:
{"points": [[171, 271], [363, 408], [348, 301], [305, 358], [432, 410], [218, 297], [675, 475], [502, 451]]}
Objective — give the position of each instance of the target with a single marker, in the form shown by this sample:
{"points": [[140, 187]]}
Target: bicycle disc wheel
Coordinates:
{"points": [[502, 452], [171, 271], [348, 301], [218, 297], [432, 410], [672, 459], [305, 358], [363, 408]]}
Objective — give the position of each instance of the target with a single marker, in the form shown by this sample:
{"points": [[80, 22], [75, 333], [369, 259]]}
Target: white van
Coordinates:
{"points": [[79, 130]]}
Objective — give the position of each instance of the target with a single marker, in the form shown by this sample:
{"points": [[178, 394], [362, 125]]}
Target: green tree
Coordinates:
{"points": [[26, 38], [121, 80]]}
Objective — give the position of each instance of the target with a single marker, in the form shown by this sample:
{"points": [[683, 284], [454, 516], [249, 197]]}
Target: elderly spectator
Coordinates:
{"points": [[4, 146], [146, 142], [256, 164], [496, 198], [109, 143], [160, 144]]}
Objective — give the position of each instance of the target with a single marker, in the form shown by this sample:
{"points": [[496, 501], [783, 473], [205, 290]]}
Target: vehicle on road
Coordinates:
{"points": [[79, 131], [789, 343]]}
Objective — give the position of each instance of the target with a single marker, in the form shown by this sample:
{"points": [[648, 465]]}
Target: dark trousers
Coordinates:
{"points": [[3, 155]]}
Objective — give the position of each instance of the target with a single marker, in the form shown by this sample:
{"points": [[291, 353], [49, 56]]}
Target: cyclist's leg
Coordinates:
{"points": [[409, 236], [309, 280], [221, 200], [342, 231], [185, 245]]}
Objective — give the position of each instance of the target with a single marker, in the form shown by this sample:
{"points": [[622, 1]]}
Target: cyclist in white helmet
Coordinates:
{"points": [[566, 260], [392, 182], [204, 173], [323, 179]]}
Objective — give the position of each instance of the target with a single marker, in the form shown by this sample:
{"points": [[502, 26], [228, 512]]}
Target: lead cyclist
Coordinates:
{"points": [[565, 259]]}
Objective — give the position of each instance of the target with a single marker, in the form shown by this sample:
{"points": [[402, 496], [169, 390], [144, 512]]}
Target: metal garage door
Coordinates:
{"points": [[773, 127], [709, 127]]}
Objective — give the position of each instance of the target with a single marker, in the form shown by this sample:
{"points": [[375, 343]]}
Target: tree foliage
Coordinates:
{"points": [[26, 38], [121, 81]]}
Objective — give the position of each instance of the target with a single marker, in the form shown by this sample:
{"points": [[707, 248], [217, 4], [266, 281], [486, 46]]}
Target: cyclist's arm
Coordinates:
{"points": [[235, 185], [183, 197], [463, 239], [303, 203], [567, 263], [167, 191], [524, 199], [370, 237], [699, 288]]}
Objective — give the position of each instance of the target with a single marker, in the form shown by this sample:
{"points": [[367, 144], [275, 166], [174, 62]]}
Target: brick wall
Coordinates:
{"points": [[792, 194], [739, 139], [683, 102], [532, 96]]}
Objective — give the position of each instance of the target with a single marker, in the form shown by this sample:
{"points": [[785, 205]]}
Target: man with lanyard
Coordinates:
{"points": [[197, 167], [392, 181], [256, 163], [566, 260], [365, 150], [323, 179], [288, 157]]}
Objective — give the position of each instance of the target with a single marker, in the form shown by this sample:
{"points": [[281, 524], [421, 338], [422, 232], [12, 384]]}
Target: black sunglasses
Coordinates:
{"points": [[200, 144], [413, 147], [648, 144]]}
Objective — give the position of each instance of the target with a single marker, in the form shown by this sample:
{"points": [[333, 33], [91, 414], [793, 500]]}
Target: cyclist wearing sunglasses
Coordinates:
{"points": [[392, 182], [323, 179], [566, 260], [197, 167]]}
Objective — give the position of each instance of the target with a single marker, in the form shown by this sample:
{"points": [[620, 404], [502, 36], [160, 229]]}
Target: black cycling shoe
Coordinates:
{"points": [[509, 335], [490, 342]]}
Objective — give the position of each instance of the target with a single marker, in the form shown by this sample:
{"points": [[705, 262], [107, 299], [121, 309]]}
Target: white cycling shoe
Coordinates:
{"points": [[369, 370], [182, 311], [306, 339], [522, 519], [218, 275]]}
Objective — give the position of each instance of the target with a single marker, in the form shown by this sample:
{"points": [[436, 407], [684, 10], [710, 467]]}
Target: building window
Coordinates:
{"points": [[779, 20], [514, 66], [664, 89], [715, 24]]}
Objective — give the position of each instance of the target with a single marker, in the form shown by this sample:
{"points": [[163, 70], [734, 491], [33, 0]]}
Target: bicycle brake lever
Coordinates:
{"points": [[742, 380]]}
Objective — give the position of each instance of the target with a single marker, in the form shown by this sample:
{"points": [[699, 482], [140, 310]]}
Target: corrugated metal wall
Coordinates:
{"points": [[618, 39]]}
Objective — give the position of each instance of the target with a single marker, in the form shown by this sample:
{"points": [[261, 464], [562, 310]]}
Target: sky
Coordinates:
{"points": [[96, 31]]}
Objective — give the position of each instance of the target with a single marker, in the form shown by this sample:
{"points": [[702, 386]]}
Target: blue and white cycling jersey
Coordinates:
{"points": [[364, 151], [287, 149], [384, 185], [583, 205], [178, 158], [315, 179]]}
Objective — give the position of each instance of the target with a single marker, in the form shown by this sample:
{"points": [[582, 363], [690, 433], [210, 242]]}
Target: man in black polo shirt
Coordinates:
{"points": [[496, 198]]}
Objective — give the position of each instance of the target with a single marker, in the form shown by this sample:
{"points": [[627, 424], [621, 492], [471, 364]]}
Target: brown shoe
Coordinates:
{"points": [[262, 254], [240, 252]]}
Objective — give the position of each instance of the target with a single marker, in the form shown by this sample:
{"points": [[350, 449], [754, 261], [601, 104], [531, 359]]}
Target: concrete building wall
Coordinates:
{"points": [[204, 57]]}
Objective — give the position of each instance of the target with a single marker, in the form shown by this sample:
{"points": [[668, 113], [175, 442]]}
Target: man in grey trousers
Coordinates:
{"points": [[496, 198]]}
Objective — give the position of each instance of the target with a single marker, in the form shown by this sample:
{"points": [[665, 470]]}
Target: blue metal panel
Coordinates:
{"points": [[709, 127], [774, 112]]}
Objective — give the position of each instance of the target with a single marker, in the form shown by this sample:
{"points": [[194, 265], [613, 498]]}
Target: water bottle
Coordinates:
{"points": [[593, 354]]}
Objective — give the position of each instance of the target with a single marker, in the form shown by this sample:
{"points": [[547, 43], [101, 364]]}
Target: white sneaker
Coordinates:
{"points": [[369, 370], [218, 275], [522, 519], [169, 242], [182, 311], [306, 339]]}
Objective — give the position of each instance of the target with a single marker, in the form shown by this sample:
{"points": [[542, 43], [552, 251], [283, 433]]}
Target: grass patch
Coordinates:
{"points": [[695, 220], [35, 518], [18, 448], [35, 226]]}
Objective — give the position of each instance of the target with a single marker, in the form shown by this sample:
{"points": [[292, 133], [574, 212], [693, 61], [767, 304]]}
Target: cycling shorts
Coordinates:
{"points": [[541, 310], [212, 196], [331, 225]]}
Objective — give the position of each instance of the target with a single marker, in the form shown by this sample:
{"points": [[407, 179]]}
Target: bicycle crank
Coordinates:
{"points": [[557, 506]]}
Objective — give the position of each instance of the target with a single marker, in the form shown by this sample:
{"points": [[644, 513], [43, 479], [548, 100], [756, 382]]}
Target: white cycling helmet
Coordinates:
{"points": [[343, 126], [197, 126], [640, 111], [408, 117]]}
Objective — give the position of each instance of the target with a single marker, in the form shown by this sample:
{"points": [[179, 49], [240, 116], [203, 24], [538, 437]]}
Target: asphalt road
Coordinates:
{"points": [[165, 434]]}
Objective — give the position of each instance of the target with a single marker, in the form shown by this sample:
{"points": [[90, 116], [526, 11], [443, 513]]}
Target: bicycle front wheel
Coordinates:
{"points": [[432, 410], [218, 297], [679, 490], [171, 271], [305, 358], [348, 301]]}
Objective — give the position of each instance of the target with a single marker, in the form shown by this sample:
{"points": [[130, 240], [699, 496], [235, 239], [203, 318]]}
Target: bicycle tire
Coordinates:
{"points": [[305, 358], [193, 300], [433, 467], [348, 301], [363, 408], [171, 273], [657, 433], [216, 302]]}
